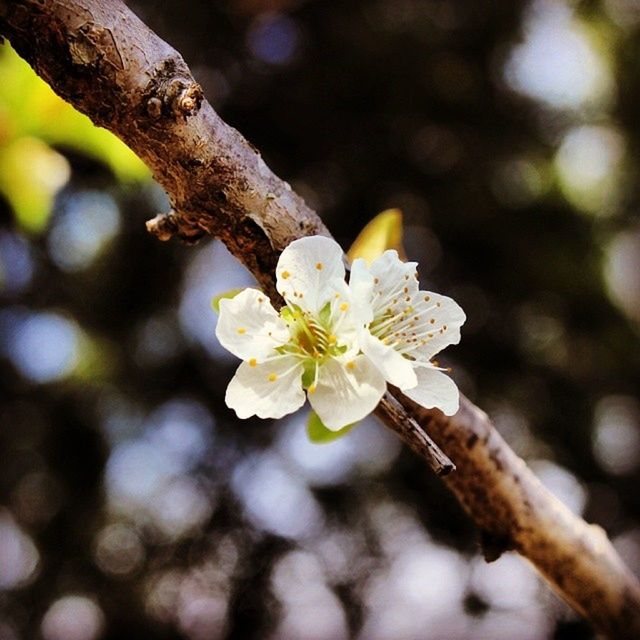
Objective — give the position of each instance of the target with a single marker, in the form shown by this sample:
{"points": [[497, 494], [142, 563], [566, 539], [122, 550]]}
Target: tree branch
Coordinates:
{"points": [[101, 58]]}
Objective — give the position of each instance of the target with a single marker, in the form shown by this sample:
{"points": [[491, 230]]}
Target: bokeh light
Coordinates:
{"points": [[558, 62], [73, 617]]}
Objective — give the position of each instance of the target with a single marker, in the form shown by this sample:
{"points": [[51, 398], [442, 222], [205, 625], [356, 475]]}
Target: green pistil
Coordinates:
{"points": [[312, 340]]}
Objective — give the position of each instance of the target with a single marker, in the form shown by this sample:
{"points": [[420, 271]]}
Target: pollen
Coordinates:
{"points": [[344, 306], [241, 330], [312, 388], [286, 274], [432, 320], [253, 362], [427, 298], [351, 365], [272, 377], [376, 281], [331, 339], [319, 266]]}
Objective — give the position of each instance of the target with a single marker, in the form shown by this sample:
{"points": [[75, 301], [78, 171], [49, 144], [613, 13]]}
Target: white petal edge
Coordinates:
{"points": [[448, 314], [391, 277], [394, 367], [435, 390], [254, 392], [307, 271], [347, 391], [249, 327]]}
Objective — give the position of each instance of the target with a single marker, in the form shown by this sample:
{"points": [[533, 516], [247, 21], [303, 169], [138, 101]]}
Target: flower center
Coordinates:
{"points": [[310, 338]]}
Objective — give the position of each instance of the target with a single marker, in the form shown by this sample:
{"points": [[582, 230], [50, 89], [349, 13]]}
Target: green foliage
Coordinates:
{"points": [[33, 119], [319, 434]]}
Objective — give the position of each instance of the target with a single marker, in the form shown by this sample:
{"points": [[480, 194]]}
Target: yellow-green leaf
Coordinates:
{"points": [[232, 293], [382, 233], [31, 173], [29, 107], [319, 434]]}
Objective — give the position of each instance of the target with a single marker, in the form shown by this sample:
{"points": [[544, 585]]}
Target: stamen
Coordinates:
{"points": [[253, 362], [319, 266], [272, 377], [241, 330], [285, 274]]}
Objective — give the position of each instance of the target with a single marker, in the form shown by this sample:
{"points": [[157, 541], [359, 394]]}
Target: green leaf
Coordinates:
{"points": [[31, 173], [382, 233], [29, 107], [319, 434], [227, 295]]}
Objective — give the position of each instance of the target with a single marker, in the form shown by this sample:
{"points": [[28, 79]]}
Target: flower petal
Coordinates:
{"points": [[267, 390], [441, 319], [250, 327], [435, 390], [395, 368], [361, 288], [307, 271], [347, 391], [394, 280]]}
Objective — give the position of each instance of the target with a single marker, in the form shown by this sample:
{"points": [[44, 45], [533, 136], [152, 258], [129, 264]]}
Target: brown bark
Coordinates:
{"points": [[97, 55]]}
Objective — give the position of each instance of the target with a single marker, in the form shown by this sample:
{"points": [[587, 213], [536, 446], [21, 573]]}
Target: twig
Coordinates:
{"points": [[394, 415]]}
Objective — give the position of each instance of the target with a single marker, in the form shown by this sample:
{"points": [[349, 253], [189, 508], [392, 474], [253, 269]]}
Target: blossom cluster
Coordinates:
{"points": [[338, 343]]}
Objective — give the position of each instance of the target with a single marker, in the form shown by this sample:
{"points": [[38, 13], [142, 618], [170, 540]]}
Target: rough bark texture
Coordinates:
{"points": [[97, 55]]}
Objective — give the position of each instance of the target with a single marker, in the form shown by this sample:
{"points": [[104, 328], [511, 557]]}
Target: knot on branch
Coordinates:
{"points": [[166, 225], [93, 44], [177, 98]]}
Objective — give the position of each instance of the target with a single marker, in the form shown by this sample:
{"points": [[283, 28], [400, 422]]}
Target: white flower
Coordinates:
{"points": [[311, 344], [402, 329]]}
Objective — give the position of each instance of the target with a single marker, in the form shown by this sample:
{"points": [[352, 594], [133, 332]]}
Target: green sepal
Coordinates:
{"points": [[227, 295], [319, 434]]}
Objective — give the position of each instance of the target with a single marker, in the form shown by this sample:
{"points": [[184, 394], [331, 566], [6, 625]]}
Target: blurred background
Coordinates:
{"points": [[134, 505]]}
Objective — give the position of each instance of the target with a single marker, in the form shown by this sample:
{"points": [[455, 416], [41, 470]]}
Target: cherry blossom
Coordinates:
{"points": [[310, 345], [401, 329]]}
